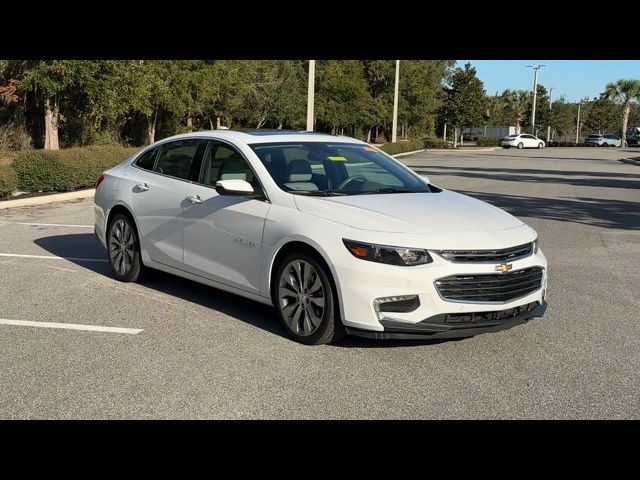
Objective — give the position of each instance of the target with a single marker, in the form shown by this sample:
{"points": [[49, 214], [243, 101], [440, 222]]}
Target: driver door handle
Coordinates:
{"points": [[195, 199], [142, 187]]}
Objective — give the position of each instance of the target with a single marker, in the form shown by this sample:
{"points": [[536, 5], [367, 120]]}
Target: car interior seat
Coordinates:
{"points": [[300, 175]]}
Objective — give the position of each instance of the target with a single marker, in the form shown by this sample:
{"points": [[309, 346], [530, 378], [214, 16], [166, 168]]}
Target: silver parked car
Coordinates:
{"points": [[604, 140]]}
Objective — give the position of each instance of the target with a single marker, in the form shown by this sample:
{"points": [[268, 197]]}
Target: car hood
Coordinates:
{"points": [[442, 212]]}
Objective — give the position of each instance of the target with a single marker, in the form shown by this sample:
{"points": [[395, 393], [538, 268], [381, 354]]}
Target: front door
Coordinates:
{"points": [[223, 236]]}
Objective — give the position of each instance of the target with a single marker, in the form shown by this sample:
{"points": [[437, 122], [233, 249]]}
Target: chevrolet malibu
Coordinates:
{"points": [[335, 234]]}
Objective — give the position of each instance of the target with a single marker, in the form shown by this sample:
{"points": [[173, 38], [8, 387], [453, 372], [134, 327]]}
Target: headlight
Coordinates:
{"points": [[536, 245], [387, 254]]}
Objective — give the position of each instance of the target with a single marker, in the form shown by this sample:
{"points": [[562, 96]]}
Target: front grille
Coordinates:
{"points": [[490, 287], [488, 256]]}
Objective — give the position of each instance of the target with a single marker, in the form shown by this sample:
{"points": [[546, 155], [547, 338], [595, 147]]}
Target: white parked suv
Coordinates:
{"points": [[522, 140], [338, 236]]}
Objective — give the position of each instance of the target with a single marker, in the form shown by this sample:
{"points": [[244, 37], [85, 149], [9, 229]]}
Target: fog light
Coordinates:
{"points": [[398, 304]]}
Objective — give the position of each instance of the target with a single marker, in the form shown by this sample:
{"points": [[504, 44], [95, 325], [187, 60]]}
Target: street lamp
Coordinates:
{"points": [[551, 89], [535, 89]]}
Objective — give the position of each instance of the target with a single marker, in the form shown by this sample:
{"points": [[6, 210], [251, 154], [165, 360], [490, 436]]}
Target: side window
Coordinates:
{"points": [[147, 159], [180, 159], [223, 162]]}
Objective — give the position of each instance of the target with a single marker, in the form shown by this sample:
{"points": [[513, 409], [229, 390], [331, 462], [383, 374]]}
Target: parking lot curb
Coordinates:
{"points": [[406, 153], [46, 199]]}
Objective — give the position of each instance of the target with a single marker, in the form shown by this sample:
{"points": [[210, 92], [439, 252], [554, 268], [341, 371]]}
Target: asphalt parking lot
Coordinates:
{"points": [[171, 348]]}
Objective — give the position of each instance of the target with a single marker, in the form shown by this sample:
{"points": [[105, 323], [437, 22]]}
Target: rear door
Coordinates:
{"points": [[223, 234], [530, 141], [159, 196]]}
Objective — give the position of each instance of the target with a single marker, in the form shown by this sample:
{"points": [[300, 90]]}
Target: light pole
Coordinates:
{"points": [[394, 127], [535, 93], [311, 94], [578, 125], [549, 126]]}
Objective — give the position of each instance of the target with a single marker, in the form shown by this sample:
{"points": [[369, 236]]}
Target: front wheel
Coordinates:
{"points": [[540, 145], [520, 146], [123, 247], [305, 300]]}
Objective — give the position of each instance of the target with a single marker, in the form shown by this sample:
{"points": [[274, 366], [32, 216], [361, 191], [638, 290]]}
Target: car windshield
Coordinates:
{"points": [[328, 169]]}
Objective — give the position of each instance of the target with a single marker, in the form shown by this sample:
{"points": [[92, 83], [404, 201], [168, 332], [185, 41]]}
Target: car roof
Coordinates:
{"points": [[267, 136]]}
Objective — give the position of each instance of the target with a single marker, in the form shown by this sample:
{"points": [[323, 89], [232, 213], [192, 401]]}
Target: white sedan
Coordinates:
{"points": [[522, 140], [338, 236]]}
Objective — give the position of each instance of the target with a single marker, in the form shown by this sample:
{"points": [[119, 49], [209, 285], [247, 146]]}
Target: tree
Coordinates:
{"points": [[495, 114], [601, 116], [342, 94], [624, 92], [420, 88], [50, 82], [516, 103], [276, 93], [465, 98]]}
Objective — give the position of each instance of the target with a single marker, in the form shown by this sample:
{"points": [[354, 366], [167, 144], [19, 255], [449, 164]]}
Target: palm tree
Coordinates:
{"points": [[624, 91], [516, 103]]}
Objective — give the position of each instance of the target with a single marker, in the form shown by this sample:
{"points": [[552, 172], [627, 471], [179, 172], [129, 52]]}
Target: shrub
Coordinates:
{"points": [[14, 136], [567, 144], [489, 141], [402, 147], [8, 181], [65, 170], [435, 143]]}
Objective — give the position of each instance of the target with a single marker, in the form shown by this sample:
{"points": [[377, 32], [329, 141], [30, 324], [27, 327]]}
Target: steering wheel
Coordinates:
{"points": [[347, 181]]}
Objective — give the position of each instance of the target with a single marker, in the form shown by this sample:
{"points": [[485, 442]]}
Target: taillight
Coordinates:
{"points": [[99, 181]]}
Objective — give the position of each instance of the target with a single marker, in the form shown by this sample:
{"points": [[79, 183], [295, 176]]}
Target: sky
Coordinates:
{"points": [[573, 79]]}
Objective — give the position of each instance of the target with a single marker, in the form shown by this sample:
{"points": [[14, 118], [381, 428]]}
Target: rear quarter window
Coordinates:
{"points": [[147, 159]]}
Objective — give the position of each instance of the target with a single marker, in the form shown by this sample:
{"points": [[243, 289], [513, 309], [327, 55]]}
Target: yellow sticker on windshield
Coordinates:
{"points": [[337, 159], [370, 149]]}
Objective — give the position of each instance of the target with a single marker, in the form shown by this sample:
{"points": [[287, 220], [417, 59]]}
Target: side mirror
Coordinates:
{"points": [[234, 187]]}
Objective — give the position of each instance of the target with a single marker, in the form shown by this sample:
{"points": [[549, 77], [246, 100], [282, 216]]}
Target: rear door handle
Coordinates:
{"points": [[195, 199], [142, 187]]}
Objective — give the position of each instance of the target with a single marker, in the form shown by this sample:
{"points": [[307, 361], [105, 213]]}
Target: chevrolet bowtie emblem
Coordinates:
{"points": [[504, 267]]}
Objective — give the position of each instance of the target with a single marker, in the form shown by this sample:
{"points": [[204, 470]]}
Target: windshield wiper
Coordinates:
{"points": [[317, 193], [389, 190]]}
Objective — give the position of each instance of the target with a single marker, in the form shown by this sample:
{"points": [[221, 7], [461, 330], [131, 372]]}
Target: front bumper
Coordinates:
{"points": [[442, 327]]}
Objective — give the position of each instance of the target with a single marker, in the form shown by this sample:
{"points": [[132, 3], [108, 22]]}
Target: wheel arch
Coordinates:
{"points": [[310, 247], [125, 210]]}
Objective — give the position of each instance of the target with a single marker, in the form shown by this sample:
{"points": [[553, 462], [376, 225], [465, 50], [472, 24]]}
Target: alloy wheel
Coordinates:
{"points": [[301, 297], [121, 247]]}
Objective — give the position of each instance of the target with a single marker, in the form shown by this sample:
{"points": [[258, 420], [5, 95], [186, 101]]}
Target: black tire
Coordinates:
{"points": [[540, 145], [520, 146], [507, 147], [330, 328], [136, 270], [605, 144]]}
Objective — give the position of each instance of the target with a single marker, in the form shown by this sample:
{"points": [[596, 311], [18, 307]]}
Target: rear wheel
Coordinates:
{"points": [[605, 144], [520, 146], [305, 300], [123, 249]]}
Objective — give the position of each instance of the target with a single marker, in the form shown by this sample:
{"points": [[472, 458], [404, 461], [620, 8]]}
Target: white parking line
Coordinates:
{"points": [[55, 225], [71, 326], [52, 257]]}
